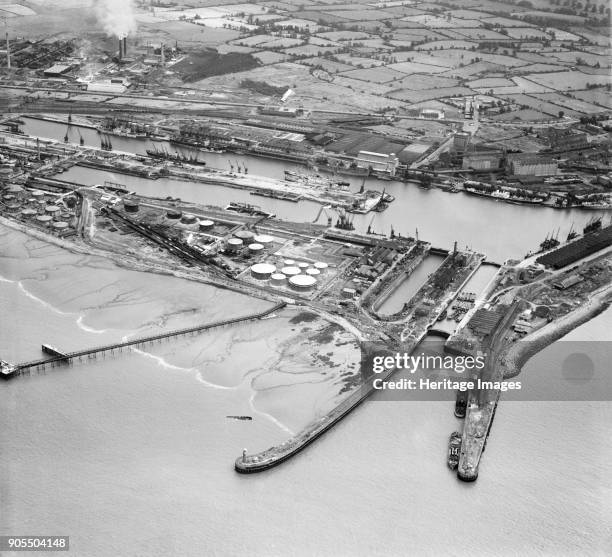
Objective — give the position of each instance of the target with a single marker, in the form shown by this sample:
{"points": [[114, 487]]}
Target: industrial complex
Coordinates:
{"points": [[425, 97]]}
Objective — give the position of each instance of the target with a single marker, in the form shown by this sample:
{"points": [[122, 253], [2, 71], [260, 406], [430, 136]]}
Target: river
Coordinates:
{"points": [[435, 215], [133, 455]]}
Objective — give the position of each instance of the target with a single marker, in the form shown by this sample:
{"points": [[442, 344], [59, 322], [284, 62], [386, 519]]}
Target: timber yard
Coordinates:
{"points": [[340, 159]]}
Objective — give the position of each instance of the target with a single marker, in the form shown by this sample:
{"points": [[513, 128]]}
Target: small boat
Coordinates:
{"points": [[244, 418]]}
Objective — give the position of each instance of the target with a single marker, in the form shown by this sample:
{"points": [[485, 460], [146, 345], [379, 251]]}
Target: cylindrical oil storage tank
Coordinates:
{"points": [[8, 198], [290, 271], [289, 262], [263, 239], [28, 213], [262, 271], [52, 210], [13, 207], [188, 219], [302, 283], [14, 188], [303, 266], [313, 272], [44, 220], [206, 225], [321, 266], [234, 244], [64, 216], [42, 203], [174, 214], [38, 194], [245, 235], [131, 206], [59, 226], [254, 249], [278, 279]]}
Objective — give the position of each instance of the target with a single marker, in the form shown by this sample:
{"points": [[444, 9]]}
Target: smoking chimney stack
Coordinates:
{"points": [[120, 49], [124, 46]]}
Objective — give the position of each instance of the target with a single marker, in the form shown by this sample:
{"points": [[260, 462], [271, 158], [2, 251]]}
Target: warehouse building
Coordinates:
{"points": [[530, 165]]}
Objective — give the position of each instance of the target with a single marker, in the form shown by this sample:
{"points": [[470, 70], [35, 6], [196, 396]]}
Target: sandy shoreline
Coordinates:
{"points": [[535, 342], [123, 261]]}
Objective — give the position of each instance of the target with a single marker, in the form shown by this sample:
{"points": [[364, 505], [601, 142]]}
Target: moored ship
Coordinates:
{"points": [[248, 209], [454, 450], [174, 157]]}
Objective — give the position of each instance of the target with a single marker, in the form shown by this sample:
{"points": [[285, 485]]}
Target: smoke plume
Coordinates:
{"points": [[116, 16]]}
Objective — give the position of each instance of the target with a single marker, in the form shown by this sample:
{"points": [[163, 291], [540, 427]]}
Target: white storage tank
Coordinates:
{"points": [[290, 271], [206, 225], [278, 279], [303, 266], [289, 262], [234, 244], [321, 266], [313, 272], [245, 235], [52, 210], [262, 271], [264, 239], [44, 220], [302, 282], [254, 249]]}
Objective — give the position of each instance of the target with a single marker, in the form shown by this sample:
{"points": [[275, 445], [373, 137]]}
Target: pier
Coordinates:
{"points": [[7, 371]]}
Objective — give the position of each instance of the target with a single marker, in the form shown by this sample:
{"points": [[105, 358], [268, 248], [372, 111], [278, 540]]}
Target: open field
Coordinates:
{"points": [[430, 94], [599, 96], [375, 75], [540, 105], [569, 80], [573, 104]]}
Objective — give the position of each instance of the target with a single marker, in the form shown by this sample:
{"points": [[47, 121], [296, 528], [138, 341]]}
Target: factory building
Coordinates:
{"points": [[567, 140], [57, 70], [530, 165], [461, 140], [482, 160], [432, 114], [379, 162]]}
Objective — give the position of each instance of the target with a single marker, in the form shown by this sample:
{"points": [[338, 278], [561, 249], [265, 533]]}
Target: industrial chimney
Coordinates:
{"points": [[8, 49], [120, 49], [124, 46]]}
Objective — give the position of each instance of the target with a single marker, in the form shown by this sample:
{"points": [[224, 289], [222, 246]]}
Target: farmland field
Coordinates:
{"points": [[430, 94], [417, 82], [376, 75], [573, 104], [539, 105], [413, 67], [596, 96], [568, 81]]}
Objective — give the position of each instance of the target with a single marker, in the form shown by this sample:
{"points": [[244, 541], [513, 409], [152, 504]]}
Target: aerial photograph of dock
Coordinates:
{"points": [[305, 278]]}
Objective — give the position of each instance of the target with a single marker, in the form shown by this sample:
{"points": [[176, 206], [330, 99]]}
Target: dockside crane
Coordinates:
{"points": [[231, 165], [322, 210]]}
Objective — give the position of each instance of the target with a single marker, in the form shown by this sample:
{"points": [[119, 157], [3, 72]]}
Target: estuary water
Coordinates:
{"points": [[133, 455], [498, 229]]}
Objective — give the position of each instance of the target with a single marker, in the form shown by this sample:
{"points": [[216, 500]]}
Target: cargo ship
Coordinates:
{"points": [[274, 194], [174, 157], [247, 209], [454, 450], [510, 196]]}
